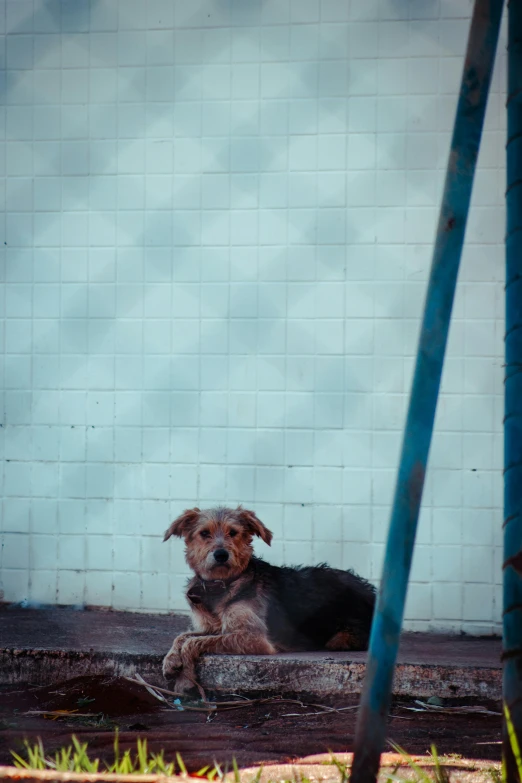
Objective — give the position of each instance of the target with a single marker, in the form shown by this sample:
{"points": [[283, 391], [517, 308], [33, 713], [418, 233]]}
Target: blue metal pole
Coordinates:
{"points": [[386, 628], [512, 619]]}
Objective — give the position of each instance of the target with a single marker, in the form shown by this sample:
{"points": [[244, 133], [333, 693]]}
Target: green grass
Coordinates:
{"points": [[75, 758], [513, 741], [440, 773]]}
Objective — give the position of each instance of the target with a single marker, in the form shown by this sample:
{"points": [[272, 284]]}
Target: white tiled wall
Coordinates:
{"points": [[218, 227]]}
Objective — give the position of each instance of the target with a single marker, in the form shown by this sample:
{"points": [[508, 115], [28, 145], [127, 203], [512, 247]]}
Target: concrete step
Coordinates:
{"points": [[42, 646]]}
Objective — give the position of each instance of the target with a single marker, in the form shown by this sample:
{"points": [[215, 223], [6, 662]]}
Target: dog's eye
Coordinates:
{"points": [[205, 534], [233, 533]]}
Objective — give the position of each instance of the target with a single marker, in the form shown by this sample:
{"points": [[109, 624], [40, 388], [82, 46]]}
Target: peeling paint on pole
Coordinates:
{"points": [[512, 618]]}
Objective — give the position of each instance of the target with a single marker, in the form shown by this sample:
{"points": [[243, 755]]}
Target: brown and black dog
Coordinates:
{"points": [[242, 605]]}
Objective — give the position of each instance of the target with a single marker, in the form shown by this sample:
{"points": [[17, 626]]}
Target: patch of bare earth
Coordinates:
{"points": [[284, 736]]}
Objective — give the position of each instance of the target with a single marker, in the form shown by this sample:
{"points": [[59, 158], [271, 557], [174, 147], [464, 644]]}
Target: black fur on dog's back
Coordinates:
{"points": [[308, 605]]}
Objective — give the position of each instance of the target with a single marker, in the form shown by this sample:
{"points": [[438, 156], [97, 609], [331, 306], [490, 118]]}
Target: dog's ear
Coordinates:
{"points": [[182, 525], [254, 525]]}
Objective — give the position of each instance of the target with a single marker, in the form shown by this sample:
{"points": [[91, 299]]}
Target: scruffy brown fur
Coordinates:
{"points": [[243, 605]]}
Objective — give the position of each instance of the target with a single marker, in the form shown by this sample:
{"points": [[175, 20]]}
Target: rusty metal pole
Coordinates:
{"points": [[512, 618], [386, 628]]}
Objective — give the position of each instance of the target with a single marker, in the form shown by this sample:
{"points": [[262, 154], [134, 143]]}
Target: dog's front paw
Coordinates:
{"points": [[183, 686], [171, 663]]}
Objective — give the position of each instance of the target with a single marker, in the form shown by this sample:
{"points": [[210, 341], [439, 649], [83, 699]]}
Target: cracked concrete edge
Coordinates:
{"points": [[254, 675]]}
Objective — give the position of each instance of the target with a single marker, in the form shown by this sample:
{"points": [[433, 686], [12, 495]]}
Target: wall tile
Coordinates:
{"points": [[43, 589], [257, 343]]}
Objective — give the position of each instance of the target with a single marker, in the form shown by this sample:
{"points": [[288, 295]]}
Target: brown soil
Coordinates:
{"points": [[275, 732]]}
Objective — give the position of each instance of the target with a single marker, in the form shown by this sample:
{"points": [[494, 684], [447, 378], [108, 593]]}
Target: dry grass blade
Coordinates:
{"points": [[211, 706], [323, 710], [490, 742], [471, 709], [151, 689], [237, 704]]}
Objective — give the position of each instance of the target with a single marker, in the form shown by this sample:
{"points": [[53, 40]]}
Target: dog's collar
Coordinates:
{"points": [[209, 588]]}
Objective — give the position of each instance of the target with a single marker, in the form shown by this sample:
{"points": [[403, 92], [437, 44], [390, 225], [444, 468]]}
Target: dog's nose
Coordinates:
{"points": [[221, 555]]}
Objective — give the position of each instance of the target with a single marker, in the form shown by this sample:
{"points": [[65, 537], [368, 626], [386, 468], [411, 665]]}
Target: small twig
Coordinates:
{"points": [[324, 711], [176, 708], [151, 689], [146, 685], [156, 687], [459, 709], [245, 702], [241, 702]]}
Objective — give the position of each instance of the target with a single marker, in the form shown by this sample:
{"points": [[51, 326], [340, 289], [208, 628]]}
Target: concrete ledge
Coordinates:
{"points": [[335, 674], [310, 674], [54, 645]]}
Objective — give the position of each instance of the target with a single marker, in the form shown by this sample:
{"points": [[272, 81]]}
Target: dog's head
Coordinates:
{"points": [[218, 541]]}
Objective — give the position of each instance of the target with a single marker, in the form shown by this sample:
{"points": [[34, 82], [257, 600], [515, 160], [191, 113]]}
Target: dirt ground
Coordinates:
{"points": [[273, 732]]}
